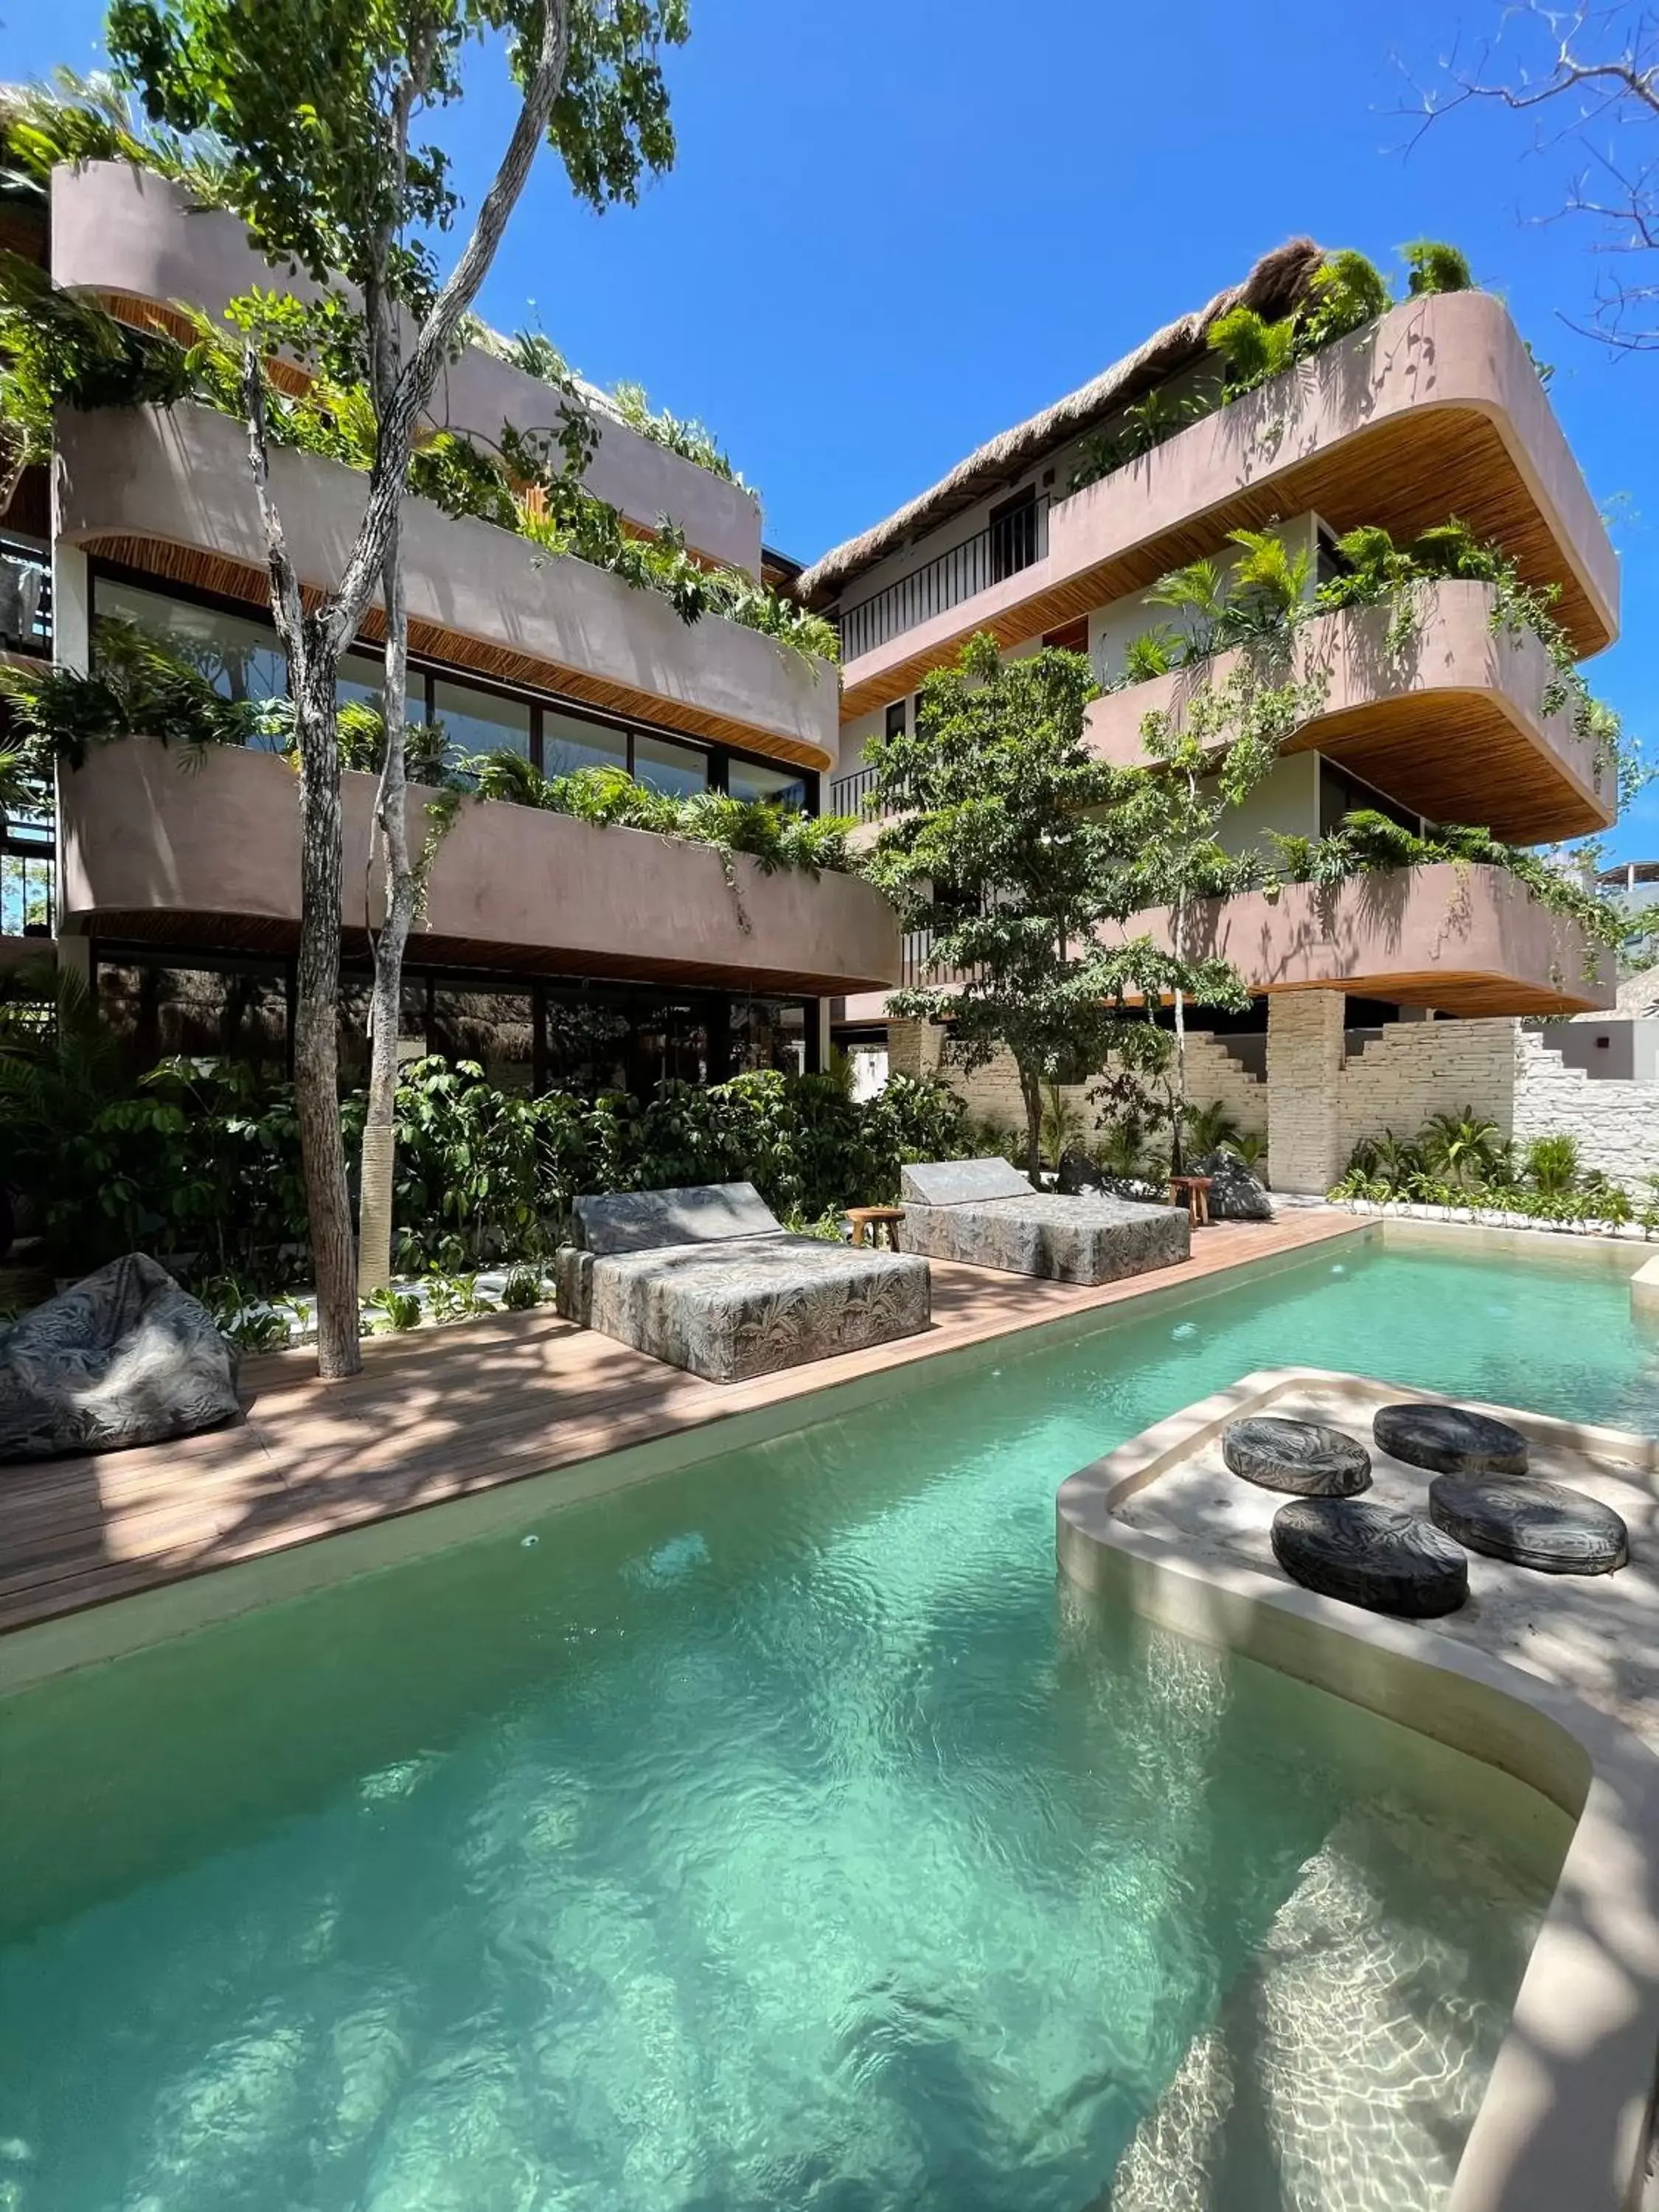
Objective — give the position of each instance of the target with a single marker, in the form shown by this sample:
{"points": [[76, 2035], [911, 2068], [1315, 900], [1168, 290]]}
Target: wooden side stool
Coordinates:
{"points": [[1192, 1191], [869, 1221]]}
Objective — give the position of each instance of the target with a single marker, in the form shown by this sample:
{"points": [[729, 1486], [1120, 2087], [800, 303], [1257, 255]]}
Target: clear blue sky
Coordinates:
{"points": [[897, 225]]}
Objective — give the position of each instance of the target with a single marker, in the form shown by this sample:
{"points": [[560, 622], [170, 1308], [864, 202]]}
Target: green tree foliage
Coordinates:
{"points": [[1205, 762], [1007, 848], [199, 1163], [322, 116]]}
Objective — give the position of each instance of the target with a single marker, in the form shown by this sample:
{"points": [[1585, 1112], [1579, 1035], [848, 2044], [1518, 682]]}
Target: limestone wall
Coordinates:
{"points": [[1415, 1069], [913, 1048], [1616, 1123], [1318, 1103]]}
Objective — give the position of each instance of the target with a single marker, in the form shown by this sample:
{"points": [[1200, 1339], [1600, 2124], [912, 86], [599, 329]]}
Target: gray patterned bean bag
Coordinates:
{"points": [[709, 1280], [985, 1212], [126, 1356]]}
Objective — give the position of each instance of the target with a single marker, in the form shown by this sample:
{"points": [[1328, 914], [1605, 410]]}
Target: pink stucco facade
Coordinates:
{"points": [[180, 477], [1458, 352], [1485, 744], [156, 845], [1469, 940], [117, 230]]}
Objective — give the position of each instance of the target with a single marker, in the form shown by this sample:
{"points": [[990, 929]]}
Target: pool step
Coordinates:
{"points": [[1343, 2070]]}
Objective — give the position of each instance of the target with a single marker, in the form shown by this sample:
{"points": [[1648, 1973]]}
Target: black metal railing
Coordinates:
{"points": [[1014, 541], [25, 599], [854, 794]]}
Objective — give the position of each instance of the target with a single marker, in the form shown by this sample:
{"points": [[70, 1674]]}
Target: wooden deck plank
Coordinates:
{"points": [[436, 1415]]}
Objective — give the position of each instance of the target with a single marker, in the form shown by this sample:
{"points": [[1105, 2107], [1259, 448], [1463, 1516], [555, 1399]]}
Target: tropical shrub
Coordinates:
{"points": [[200, 1164], [1458, 1161]]}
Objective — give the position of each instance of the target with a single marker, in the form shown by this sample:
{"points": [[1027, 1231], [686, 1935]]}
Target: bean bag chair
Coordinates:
{"points": [[126, 1356]]}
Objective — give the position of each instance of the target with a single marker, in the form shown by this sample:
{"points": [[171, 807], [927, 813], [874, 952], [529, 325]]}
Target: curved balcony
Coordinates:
{"points": [[207, 854], [1433, 410], [1451, 722], [171, 493], [1464, 940], [125, 234]]}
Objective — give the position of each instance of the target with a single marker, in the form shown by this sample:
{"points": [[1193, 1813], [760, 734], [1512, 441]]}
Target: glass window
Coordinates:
{"points": [[361, 681], [676, 769], [569, 742], [785, 788], [495, 1028], [239, 657], [480, 721], [768, 1033], [206, 1013]]}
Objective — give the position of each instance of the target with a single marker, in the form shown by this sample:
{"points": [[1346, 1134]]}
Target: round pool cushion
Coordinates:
{"points": [[1300, 1456], [1449, 1440], [1376, 1556], [1542, 1525]]}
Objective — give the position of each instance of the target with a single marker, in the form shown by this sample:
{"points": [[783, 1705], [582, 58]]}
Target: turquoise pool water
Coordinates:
{"points": [[779, 1835]]}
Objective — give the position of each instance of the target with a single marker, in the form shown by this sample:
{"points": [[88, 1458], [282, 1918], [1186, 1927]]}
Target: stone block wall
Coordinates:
{"points": [[1316, 1103], [1415, 1069], [1615, 1122], [913, 1048], [1304, 1075]]}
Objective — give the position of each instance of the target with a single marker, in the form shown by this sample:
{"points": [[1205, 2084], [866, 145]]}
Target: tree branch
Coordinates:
{"points": [[419, 374]]}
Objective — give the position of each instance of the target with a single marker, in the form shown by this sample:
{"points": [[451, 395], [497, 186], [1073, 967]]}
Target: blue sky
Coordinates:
{"points": [[895, 228]]}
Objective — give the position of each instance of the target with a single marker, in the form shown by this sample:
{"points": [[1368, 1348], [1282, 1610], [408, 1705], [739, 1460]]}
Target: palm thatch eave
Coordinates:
{"points": [[1274, 286]]}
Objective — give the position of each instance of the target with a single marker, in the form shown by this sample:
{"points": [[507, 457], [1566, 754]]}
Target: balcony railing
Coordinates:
{"points": [[25, 601], [1013, 542]]}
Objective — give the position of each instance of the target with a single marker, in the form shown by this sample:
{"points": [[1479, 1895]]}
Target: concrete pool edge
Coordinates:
{"points": [[1566, 2113]]}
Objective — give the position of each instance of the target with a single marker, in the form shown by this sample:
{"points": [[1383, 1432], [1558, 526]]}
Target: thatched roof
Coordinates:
{"points": [[1273, 289]]}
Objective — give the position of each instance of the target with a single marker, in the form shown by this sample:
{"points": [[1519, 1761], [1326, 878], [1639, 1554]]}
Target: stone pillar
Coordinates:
{"points": [[913, 1048], [1305, 1072]]}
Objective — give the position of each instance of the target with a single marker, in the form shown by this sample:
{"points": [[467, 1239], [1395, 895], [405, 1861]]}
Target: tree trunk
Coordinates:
{"points": [[1030, 1088], [1178, 1127], [386, 1012], [316, 1033]]}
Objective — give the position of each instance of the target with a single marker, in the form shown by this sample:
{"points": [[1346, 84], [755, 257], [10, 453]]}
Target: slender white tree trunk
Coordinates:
{"points": [[390, 838]]}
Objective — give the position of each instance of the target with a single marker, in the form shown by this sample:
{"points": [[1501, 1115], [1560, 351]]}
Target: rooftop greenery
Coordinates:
{"points": [[1346, 292], [73, 119], [57, 349]]}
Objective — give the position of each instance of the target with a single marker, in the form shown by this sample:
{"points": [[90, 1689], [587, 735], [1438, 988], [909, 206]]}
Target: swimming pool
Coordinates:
{"points": [[778, 1835]]}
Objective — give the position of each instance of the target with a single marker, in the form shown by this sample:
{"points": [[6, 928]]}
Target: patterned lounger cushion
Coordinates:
{"points": [[725, 1291], [1088, 1239]]}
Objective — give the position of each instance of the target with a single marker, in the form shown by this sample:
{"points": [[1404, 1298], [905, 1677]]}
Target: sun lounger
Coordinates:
{"points": [[709, 1280], [986, 1212]]}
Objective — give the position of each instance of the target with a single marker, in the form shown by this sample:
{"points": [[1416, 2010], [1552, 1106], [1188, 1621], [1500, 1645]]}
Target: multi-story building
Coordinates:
{"points": [[555, 951], [1432, 412]]}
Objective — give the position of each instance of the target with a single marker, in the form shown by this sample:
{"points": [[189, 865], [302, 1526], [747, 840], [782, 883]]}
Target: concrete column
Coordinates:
{"points": [[913, 1048], [71, 609], [1304, 1071]]}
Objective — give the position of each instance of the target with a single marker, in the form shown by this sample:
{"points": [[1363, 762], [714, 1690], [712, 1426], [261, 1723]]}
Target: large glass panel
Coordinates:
{"points": [[363, 681], [480, 721], [768, 1033], [495, 1028], [587, 1040], [785, 788], [570, 742], [239, 657], [239, 1013], [676, 769]]}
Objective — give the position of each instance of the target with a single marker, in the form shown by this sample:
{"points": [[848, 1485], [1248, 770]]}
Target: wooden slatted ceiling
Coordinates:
{"points": [[1457, 756], [1406, 473], [240, 580]]}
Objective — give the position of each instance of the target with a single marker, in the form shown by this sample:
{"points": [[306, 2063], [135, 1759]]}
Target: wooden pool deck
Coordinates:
{"points": [[437, 1415]]}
